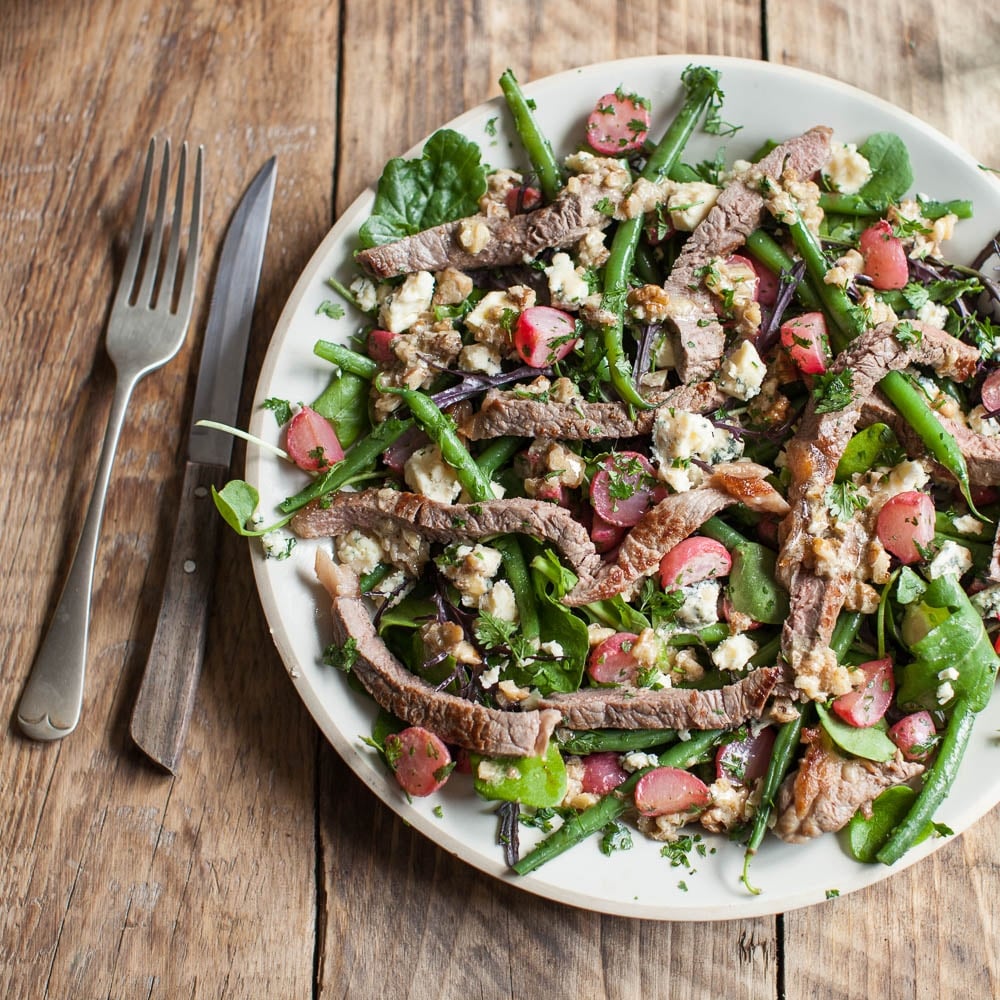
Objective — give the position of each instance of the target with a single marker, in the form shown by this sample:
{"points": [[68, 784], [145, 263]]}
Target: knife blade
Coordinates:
{"points": [[166, 695]]}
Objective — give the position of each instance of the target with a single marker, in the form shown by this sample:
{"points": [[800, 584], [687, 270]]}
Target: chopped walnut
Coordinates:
{"points": [[649, 303], [452, 287], [474, 235], [448, 639]]}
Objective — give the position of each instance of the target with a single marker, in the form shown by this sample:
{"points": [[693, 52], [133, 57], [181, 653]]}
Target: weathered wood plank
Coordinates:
{"points": [[117, 880], [924, 931], [402, 917]]}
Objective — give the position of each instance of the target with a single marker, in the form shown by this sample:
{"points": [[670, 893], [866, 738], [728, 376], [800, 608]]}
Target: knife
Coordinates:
{"points": [[166, 696]]}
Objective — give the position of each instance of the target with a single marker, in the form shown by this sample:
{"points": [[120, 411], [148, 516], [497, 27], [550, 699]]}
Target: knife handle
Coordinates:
{"points": [[170, 680]]}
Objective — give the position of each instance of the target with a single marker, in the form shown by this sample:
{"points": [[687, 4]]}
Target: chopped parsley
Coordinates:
{"points": [[342, 657], [332, 309], [843, 500], [281, 408], [833, 391]]}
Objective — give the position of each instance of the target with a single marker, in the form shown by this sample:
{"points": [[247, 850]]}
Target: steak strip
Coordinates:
{"points": [[508, 413], [699, 339], [464, 723], [672, 520], [812, 457], [827, 789], [512, 240], [670, 708]]}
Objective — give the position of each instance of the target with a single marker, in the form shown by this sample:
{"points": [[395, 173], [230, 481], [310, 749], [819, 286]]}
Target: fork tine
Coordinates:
{"points": [[165, 293], [138, 229], [185, 297], [145, 293]]}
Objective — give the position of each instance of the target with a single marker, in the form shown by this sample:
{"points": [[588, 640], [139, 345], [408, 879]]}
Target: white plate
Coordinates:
{"points": [[770, 102]]}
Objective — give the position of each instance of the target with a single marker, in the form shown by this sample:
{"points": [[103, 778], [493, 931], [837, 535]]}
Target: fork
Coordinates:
{"points": [[148, 322]]}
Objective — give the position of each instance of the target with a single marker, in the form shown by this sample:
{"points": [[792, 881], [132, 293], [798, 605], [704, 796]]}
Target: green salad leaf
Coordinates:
{"points": [[532, 781], [892, 174], [870, 742], [443, 184]]}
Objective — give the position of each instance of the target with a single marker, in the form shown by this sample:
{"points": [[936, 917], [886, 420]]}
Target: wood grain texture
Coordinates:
{"points": [[117, 880], [265, 868]]}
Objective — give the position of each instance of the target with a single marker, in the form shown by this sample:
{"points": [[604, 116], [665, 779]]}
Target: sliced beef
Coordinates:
{"points": [[699, 338], [509, 241], [408, 697], [376, 509], [671, 521], [829, 788], [982, 454], [670, 708], [507, 413], [819, 554]]}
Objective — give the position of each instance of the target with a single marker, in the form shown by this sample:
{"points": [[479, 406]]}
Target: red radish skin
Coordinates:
{"points": [[990, 393], [602, 772], [667, 790], [604, 534], [694, 559], [419, 759], [618, 124], [612, 661], [522, 199], [864, 706], [884, 256], [380, 346], [768, 284], [805, 339], [914, 735], [544, 335], [905, 525], [311, 442], [743, 762], [625, 488]]}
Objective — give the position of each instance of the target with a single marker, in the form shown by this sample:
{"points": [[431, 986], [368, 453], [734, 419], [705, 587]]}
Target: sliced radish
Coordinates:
{"points": [[619, 123], [742, 762], [419, 759], [805, 339], [864, 706], [311, 441], [667, 790], [612, 661], [990, 393], [768, 284], [544, 335], [885, 256], [915, 735], [602, 772], [625, 488], [694, 559], [604, 534], [380, 346], [742, 271], [522, 199], [905, 525]]}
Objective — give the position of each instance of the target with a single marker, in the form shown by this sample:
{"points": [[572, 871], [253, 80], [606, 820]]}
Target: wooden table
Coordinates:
{"points": [[265, 868]]}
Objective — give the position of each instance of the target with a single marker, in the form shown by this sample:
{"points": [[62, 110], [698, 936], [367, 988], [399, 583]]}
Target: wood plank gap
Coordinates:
{"points": [[764, 50], [779, 952], [338, 118], [319, 939]]}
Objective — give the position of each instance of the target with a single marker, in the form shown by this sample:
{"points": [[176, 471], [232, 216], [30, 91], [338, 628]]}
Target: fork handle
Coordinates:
{"points": [[53, 697]]}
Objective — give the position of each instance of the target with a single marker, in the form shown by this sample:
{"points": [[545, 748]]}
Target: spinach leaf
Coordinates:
{"points": [[753, 589], [871, 742], [344, 402], [532, 781], [866, 835], [892, 174], [957, 640], [443, 184]]}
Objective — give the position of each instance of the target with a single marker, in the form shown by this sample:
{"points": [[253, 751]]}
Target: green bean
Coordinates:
{"points": [[764, 248], [899, 390], [538, 148], [374, 577], [581, 825], [345, 359], [361, 458], [936, 786], [701, 86], [785, 749], [588, 741], [853, 204], [497, 453]]}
